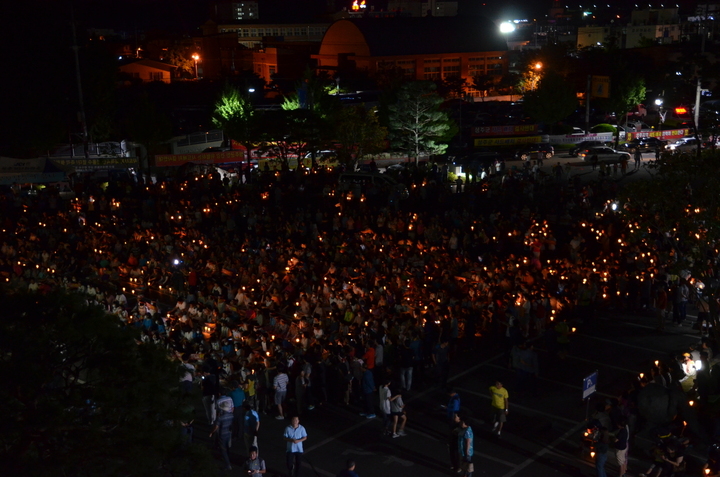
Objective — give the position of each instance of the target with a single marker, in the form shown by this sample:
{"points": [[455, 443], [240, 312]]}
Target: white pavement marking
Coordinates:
{"points": [[319, 471], [494, 459], [627, 345], [544, 450], [524, 408], [365, 421]]}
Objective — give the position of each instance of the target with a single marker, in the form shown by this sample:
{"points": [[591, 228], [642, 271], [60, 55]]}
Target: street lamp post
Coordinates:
{"points": [[196, 57]]}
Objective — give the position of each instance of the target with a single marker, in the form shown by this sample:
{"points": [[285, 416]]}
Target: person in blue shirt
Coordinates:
{"points": [[368, 389], [252, 426], [349, 470], [465, 448], [295, 435], [238, 398], [453, 406]]}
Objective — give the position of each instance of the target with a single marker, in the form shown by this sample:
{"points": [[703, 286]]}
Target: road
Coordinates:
{"points": [[541, 437]]}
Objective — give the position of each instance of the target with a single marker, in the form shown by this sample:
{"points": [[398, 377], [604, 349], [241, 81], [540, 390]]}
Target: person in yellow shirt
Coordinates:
{"points": [[499, 401]]}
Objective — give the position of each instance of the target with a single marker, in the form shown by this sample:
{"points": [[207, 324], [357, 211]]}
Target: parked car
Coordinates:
{"points": [[531, 151], [604, 154], [686, 144], [645, 144], [584, 145]]}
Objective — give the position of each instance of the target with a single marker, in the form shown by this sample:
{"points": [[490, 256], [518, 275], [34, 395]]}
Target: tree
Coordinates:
{"points": [[416, 123], [451, 87], [177, 56], [552, 101], [293, 133], [626, 92], [483, 83], [312, 92], [83, 396], [236, 116], [358, 131], [147, 126], [674, 216]]}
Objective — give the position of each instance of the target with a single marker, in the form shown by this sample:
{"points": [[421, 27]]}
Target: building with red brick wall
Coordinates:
{"points": [[427, 48]]}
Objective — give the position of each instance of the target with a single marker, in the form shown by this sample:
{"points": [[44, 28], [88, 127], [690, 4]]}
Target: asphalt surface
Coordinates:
{"points": [[542, 436]]}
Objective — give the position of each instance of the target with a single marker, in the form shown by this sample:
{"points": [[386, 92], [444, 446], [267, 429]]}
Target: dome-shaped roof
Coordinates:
{"points": [[402, 36]]}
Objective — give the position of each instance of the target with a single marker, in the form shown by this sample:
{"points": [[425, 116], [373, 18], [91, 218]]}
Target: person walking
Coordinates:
{"points": [[238, 398], [638, 158], [223, 428], [251, 420], [295, 435], [349, 470], [280, 383], [602, 446], [465, 448], [255, 466], [499, 403], [620, 447], [209, 393], [367, 385], [397, 410], [384, 402]]}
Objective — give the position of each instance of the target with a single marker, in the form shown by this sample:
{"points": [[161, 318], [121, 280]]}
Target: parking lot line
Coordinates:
{"points": [[545, 450]]}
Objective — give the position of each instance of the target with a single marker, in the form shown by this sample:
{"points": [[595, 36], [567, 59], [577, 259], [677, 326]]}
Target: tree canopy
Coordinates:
{"points": [[551, 101], [83, 397], [236, 116], [417, 125], [359, 132]]}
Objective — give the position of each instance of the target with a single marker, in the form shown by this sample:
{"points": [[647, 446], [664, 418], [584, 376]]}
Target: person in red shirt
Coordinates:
{"points": [[369, 356]]}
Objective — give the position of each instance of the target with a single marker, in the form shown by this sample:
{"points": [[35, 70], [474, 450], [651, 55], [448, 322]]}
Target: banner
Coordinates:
{"points": [[507, 141], [517, 130], [81, 164], [667, 134], [570, 139], [222, 157]]}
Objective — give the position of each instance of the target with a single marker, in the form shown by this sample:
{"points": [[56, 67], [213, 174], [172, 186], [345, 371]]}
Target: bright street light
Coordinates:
{"points": [[507, 27], [659, 102], [196, 57], [538, 65]]}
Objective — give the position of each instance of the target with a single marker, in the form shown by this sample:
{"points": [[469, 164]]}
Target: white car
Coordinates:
{"points": [[686, 144], [604, 154]]}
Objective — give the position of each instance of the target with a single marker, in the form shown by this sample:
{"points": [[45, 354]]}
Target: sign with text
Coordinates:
{"points": [[98, 163], [589, 385], [516, 130], [600, 87], [221, 157], [668, 134], [507, 141]]}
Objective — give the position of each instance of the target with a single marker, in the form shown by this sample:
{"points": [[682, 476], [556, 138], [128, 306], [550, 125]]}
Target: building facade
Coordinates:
{"points": [[427, 48]]}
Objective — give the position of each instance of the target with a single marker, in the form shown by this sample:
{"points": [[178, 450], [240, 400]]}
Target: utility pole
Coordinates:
{"points": [[81, 102], [587, 104]]}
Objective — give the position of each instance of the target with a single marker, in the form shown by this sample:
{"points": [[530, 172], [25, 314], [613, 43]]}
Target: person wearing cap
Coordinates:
{"points": [[223, 428], [255, 465]]}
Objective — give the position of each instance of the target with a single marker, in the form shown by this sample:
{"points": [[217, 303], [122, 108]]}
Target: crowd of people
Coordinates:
{"points": [[285, 294]]}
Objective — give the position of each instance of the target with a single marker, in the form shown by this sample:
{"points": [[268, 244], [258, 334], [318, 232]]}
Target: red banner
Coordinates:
{"points": [[516, 130], [165, 160]]}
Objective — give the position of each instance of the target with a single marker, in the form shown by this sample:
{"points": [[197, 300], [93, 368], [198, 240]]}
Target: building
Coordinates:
{"points": [[426, 48], [251, 35], [423, 8], [236, 10], [147, 70]]}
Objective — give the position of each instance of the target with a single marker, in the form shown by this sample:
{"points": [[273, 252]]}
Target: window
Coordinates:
{"points": [[475, 69], [494, 58], [253, 32], [450, 71], [298, 32], [432, 62], [476, 60], [383, 65], [272, 69], [246, 32], [156, 76], [283, 31], [452, 61], [431, 73]]}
